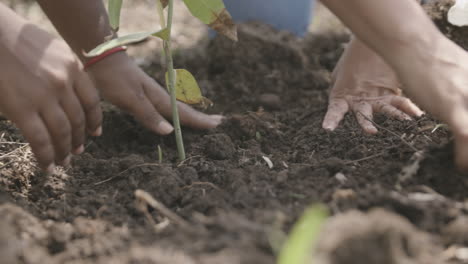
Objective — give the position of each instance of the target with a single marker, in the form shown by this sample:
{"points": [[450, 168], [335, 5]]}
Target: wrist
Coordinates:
{"points": [[95, 60], [118, 58]]}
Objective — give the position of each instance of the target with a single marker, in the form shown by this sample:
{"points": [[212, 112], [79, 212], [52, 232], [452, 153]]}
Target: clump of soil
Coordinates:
{"points": [[273, 89], [378, 237]]}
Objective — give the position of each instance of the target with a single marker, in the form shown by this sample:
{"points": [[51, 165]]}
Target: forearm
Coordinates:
{"points": [[83, 24], [397, 27]]}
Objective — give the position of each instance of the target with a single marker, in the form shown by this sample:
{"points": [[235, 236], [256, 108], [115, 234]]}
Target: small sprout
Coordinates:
{"points": [[439, 126], [160, 154], [258, 136], [268, 161], [304, 236]]}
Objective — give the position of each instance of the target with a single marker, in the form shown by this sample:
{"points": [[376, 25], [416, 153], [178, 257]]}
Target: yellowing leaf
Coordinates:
{"points": [[187, 89], [214, 14], [225, 25], [114, 13], [126, 40]]}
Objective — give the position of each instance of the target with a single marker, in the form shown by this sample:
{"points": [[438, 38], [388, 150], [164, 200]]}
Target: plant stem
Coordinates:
{"points": [[171, 84]]}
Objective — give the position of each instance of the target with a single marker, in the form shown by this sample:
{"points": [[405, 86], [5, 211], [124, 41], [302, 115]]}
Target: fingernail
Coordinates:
{"points": [[329, 127], [78, 150], [218, 119], [66, 161], [165, 128], [371, 130], [97, 132], [50, 169]]}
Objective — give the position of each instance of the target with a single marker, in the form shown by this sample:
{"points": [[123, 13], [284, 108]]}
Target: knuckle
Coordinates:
{"points": [[90, 106], [79, 122], [59, 80], [39, 141], [149, 118], [140, 94], [71, 63], [63, 132]]}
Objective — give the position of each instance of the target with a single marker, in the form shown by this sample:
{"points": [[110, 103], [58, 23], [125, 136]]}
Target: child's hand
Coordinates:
{"points": [[124, 84], [364, 84], [44, 91]]}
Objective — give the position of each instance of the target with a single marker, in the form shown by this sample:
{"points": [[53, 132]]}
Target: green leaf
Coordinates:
{"points": [[214, 14], [127, 40], [115, 6], [187, 89], [303, 237]]}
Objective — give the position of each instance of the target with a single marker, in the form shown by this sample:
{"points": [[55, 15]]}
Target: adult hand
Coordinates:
{"points": [[45, 92], [124, 84], [364, 84]]}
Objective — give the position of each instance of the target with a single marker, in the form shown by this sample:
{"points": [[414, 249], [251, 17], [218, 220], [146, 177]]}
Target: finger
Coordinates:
{"points": [[89, 100], [458, 121], [363, 112], [461, 151], [188, 116], [35, 132], [76, 116], [391, 111], [59, 129], [406, 105], [147, 115], [337, 108]]}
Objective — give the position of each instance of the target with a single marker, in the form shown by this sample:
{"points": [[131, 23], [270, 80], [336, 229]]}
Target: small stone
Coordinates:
{"points": [[344, 194], [270, 101], [341, 177], [282, 176]]}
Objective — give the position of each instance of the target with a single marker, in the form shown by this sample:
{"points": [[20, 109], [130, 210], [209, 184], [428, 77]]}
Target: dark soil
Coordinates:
{"points": [[273, 88]]}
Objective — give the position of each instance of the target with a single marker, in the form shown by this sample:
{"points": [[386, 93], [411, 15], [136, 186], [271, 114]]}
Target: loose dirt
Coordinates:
{"points": [[395, 197]]}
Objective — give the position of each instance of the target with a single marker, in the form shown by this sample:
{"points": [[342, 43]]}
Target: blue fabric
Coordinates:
{"points": [[291, 15]]}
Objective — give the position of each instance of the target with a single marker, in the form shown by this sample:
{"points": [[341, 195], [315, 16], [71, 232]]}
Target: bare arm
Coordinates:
{"points": [[433, 69], [44, 91], [388, 26], [83, 24]]}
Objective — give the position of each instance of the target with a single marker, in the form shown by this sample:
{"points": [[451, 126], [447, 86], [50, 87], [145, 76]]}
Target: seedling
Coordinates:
{"points": [[439, 126], [180, 83], [303, 237], [160, 154]]}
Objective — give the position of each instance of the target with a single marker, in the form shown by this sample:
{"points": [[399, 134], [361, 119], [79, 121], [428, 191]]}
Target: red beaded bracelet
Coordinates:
{"points": [[98, 58]]}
